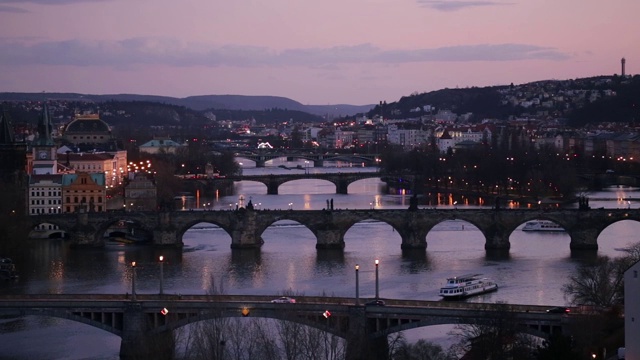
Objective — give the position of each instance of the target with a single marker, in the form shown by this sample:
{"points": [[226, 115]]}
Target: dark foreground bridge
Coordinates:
{"points": [[139, 321], [245, 227]]}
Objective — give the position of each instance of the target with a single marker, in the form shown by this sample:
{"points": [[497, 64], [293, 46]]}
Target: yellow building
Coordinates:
{"points": [[84, 192]]}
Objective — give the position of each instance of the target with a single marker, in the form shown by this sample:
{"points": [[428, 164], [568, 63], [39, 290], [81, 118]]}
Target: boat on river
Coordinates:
{"points": [[463, 286], [542, 225]]}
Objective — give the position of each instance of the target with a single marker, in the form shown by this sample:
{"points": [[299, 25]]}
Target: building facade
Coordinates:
{"points": [[44, 194], [140, 194], [84, 192]]}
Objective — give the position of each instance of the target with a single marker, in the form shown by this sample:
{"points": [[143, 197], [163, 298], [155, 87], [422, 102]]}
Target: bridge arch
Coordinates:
{"points": [[319, 322], [48, 229], [125, 226], [254, 183], [286, 187], [456, 321], [285, 225], [191, 225], [245, 161], [377, 229], [114, 328]]}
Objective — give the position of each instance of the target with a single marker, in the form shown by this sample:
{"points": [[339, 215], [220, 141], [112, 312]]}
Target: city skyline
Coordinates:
{"points": [[330, 52]]}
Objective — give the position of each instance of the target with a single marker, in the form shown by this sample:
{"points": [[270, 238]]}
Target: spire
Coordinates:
{"points": [[7, 136], [44, 127]]}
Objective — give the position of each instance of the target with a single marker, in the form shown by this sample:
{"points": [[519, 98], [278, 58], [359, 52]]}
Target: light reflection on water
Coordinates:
{"points": [[532, 272]]}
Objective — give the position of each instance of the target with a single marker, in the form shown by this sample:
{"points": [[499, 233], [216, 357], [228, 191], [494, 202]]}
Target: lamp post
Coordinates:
{"points": [[377, 285], [161, 258], [357, 285], [133, 281]]}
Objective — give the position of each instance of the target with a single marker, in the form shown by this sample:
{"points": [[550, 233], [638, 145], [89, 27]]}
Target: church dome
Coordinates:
{"points": [[87, 129]]}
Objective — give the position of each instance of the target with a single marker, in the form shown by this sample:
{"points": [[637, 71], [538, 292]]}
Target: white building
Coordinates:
{"points": [[44, 194], [407, 137]]}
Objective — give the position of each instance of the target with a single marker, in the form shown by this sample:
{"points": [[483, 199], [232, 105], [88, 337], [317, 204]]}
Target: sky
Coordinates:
{"points": [[316, 52]]}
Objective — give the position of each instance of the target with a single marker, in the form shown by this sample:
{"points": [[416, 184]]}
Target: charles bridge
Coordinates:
{"points": [[245, 226], [145, 322]]}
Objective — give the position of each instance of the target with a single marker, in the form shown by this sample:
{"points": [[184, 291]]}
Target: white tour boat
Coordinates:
{"points": [[467, 285], [542, 225]]}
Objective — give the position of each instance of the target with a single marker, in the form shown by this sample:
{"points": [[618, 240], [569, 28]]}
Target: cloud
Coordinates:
{"points": [[48, 2], [12, 9], [160, 51], [453, 5]]}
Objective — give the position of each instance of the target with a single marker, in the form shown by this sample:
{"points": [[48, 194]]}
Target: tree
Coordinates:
{"points": [[496, 336], [420, 350], [599, 283], [557, 347]]}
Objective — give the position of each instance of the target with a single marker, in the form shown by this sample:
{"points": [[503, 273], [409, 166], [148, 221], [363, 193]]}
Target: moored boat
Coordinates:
{"points": [[542, 225], [462, 286]]}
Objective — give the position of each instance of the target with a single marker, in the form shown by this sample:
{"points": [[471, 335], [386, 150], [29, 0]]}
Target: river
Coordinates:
{"points": [[533, 272]]}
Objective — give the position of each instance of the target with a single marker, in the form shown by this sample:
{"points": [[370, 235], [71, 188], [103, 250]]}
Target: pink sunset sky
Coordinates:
{"points": [[315, 52]]}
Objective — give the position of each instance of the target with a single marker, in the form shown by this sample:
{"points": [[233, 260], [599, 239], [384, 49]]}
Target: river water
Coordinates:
{"points": [[533, 272]]}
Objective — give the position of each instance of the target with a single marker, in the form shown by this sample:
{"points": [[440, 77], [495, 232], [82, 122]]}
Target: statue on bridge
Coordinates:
{"points": [[413, 203]]}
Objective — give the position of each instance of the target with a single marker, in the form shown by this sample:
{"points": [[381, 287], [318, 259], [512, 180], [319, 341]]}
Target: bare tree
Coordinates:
{"points": [[421, 350], [599, 283], [496, 336]]}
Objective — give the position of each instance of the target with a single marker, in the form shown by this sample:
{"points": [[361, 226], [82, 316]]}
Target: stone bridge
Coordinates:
{"points": [[317, 159], [141, 325], [273, 182], [245, 227]]}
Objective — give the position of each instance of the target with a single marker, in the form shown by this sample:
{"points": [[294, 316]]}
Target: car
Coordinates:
{"points": [[284, 300], [559, 310], [375, 303]]}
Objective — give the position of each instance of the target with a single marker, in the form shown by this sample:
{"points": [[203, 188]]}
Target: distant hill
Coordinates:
{"points": [[203, 102]]}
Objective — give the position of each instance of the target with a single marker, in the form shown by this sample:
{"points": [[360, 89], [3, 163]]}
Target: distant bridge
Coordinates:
{"points": [[260, 158], [245, 227], [139, 322], [340, 180]]}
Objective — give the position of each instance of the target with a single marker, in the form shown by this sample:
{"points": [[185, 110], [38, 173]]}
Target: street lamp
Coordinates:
{"points": [[306, 167], [357, 285], [377, 278], [290, 206], [133, 281], [161, 258]]}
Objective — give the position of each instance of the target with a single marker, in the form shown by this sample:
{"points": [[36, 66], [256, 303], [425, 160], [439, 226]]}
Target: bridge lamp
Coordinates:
{"points": [[245, 311], [377, 278], [133, 281], [357, 285], [161, 259]]}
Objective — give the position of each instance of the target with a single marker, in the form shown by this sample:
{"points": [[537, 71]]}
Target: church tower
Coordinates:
{"points": [[43, 147]]}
